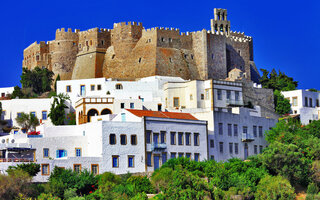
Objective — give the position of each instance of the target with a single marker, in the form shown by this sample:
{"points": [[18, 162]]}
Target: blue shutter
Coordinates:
{"points": [[65, 153], [57, 153]]}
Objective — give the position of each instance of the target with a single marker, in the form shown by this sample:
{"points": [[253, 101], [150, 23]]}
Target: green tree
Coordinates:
{"points": [[282, 105], [17, 93], [277, 81], [40, 80], [274, 188], [57, 111], [31, 168], [27, 121]]}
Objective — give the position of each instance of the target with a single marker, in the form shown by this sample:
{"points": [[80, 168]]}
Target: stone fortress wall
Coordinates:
{"points": [[129, 51]]}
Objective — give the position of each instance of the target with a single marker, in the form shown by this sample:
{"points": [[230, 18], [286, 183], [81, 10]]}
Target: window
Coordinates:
{"points": [[236, 148], [188, 138], [228, 94], [173, 155], [92, 87], [235, 130], [310, 102], [170, 59], [123, 139], [133, 140], [220, 125], [139, 61], [245, 129], [255, 131], [78, 152], [188, 155], [196, 157], [260, 149], [156, 138], [170, 39], [294, 101], [231, 148], [180, 138], [44, 115], [162, 39], [121, 105], [46, 153], [149, 159], [77, 168], [94, 169], [82, 90], [202, 96], [112, 139], [221, 147], [237, 95], [131, 105], [172, 138], [181, 155], [164, 157], [219, 95], [148, 137], [317, 102], [68, 88], [260, 131], [207, 94], [119, 86], [33, 113], [229, 129], [60, 153], [255, 149], [115, 161], [211, 143], [176, 102], [212, 157], [130, 161], [159, 107], [19, 114], [98, 87], [162, 137], [45, 169], [196, 139], [306, 101]]}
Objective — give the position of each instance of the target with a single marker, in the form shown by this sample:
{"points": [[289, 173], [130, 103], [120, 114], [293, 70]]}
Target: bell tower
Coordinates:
{"points": [[220, 23]]}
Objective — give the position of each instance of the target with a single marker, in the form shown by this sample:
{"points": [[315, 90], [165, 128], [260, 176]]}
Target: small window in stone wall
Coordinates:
{"points": [[170, 59], [162, 39], [113, 56], [170, 39], [139, 60], [191, 56], [102, 42]]}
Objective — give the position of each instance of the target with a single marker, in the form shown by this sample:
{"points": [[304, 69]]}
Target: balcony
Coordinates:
{"points": [[158, 147], [16, 160], [234, 103], [246, 137], [95, 100]]}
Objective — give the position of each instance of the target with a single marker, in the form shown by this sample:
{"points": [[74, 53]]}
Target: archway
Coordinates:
{"points": [[106, 111], [91, 112]]}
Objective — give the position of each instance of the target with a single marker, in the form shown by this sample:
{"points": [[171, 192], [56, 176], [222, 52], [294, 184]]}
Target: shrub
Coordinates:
{"points": [[141, 184], [312, 189], [49, 196], [31, 168], [69, 193], [160, 179], [274, 188]]}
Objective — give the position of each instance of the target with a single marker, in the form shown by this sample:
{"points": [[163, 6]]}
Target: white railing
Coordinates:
{"points": [[158, 146], [246, 137]]}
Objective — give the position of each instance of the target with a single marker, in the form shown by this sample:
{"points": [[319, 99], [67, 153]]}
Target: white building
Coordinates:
{"points": [[11, 109], [305, 104], [133, 141], [233, 129], [4, 92]]}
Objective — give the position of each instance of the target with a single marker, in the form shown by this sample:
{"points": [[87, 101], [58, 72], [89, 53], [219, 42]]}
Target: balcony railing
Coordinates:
{"points": [[158, 146], [246, 137], [95, 100], [232, 102], [16, 160]]}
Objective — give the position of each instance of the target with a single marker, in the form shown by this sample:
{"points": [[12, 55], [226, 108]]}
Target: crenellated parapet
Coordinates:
{"points": [[62, 34]]}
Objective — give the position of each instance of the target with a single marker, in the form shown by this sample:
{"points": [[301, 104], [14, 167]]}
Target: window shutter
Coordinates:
{"points": [[57, 153]]}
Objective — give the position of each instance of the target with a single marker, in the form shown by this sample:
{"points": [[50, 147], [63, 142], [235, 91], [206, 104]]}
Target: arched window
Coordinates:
{"points": [[90, 42], [216, 27], [221, 28], [119, 86], [106, 111]]}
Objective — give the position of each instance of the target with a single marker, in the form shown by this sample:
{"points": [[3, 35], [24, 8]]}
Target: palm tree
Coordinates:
{"points": [[27, 121]]}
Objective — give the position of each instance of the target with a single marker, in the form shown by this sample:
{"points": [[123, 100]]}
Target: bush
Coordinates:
{"points": [[49, 196], [69, 193], [141, 184], [274, 188], [31, 168], [15, 184], [312, 189]]}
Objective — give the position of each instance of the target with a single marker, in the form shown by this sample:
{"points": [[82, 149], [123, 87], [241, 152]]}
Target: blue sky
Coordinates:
{"points": [[286, 34]]}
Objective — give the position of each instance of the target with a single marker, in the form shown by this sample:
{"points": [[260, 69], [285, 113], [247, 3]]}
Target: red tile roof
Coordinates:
{"points": [[172, 115]]}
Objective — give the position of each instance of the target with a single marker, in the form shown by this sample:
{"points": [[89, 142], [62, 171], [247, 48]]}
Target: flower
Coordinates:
{"points": [[90, 192]]}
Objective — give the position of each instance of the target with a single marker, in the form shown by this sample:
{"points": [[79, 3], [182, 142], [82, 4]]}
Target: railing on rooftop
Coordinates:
{"points": [[246, 137], [95, 100], [35, 136]]}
